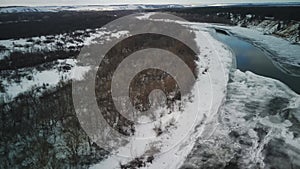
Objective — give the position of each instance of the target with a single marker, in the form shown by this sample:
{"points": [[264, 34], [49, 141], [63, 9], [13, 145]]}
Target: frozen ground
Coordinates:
{"points": [[27, 79], [212, 89], [39, 81], [253, 120], [66, 41], [248, 121]]}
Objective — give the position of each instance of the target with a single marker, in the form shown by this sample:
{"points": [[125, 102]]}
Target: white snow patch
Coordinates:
{"points": [[43, 79], [145, 16], [50, 42], [78, 72]]}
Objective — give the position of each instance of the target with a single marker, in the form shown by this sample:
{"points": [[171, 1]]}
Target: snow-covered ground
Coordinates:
{"points": [[212, 86], [62, 71], [239, 116], [66, 41], [46, 79], [246, 112]]}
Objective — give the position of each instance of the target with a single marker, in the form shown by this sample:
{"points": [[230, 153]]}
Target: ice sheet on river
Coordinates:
{"points": [[257, 127]]}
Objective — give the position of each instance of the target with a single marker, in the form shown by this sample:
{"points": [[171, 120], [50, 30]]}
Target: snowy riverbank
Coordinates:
{"points": [[217, 60]]}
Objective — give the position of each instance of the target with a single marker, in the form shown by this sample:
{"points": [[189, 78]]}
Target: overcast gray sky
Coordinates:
{"points": [[100, 2]]}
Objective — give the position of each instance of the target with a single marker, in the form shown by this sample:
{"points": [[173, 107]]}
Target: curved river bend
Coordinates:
{"points": [[251, 58]]}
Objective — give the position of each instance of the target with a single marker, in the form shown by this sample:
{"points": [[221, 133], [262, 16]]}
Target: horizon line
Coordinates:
{"points": [[190, 4]]}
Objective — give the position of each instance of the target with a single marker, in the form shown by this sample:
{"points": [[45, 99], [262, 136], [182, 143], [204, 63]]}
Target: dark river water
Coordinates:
{"points": [[251, 58]]}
